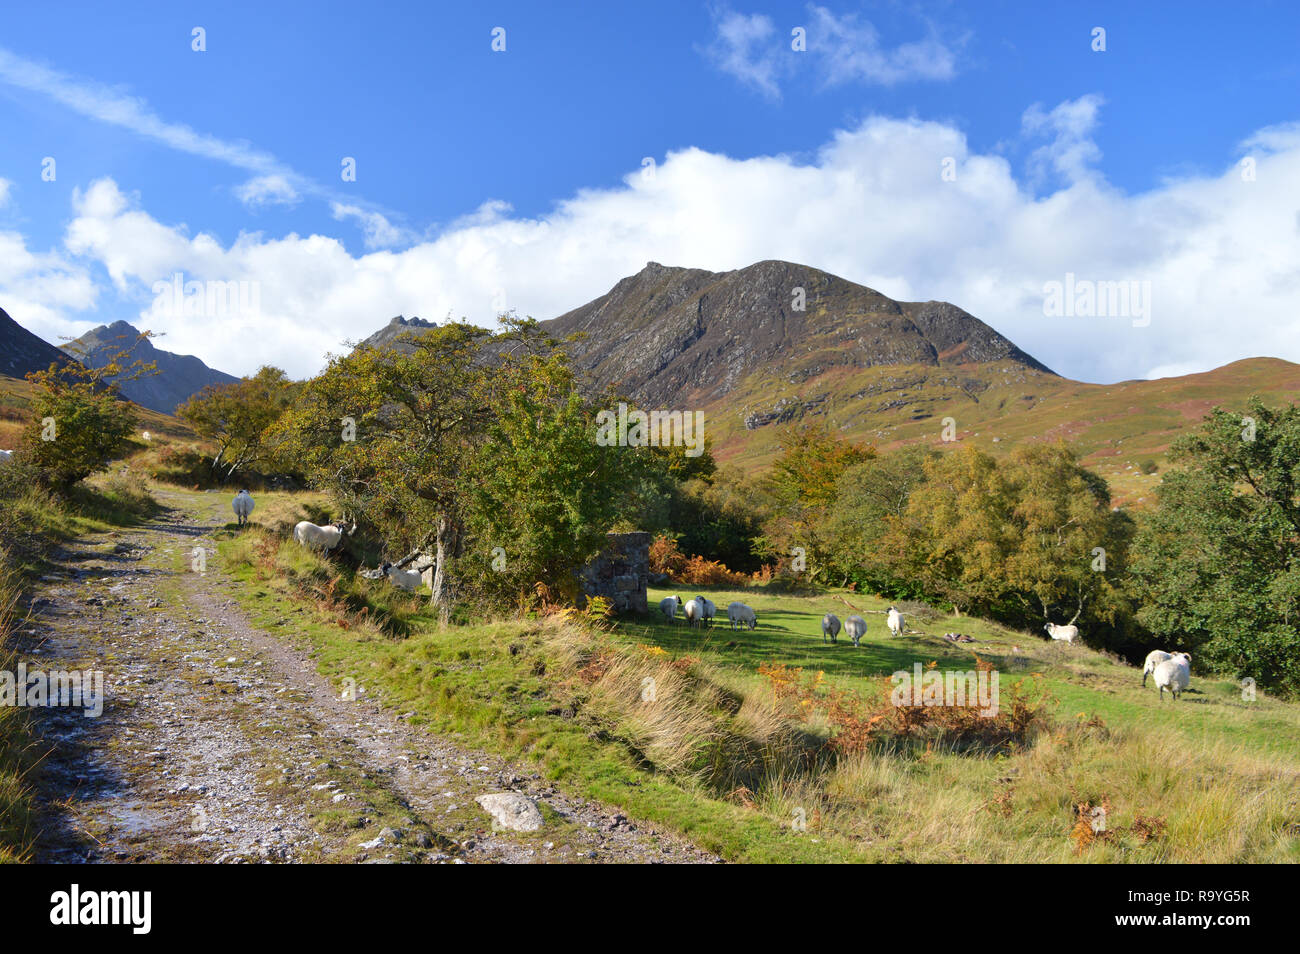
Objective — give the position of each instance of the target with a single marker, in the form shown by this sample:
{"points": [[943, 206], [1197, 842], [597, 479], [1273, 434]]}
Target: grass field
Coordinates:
{"points": [[719, 757]]}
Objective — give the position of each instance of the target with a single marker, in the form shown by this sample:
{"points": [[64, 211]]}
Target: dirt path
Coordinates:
{"points": [[220, 743]]}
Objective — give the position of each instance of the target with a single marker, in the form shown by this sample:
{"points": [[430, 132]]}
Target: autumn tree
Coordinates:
{"points": [[1032, 537], [80, 421], [803, 485], [237, 417], [868, 496]]}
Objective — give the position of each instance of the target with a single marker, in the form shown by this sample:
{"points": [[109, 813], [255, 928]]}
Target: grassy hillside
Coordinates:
{"points": [[16, 411], [731, 757], [1117, 428]]}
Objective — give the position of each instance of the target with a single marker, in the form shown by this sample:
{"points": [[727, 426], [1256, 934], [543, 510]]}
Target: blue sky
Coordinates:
{"points": [[516, 177]]}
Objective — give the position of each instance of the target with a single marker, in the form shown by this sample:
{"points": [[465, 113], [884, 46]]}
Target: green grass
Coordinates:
{"points": [[718, 758]]}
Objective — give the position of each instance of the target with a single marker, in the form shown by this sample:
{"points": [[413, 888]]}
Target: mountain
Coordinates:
{"points": [[690, 336], [734, 346], [391, 335], [179, 377], [21, 352]]}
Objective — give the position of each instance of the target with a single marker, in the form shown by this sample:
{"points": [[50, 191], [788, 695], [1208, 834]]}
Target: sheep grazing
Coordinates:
{"points": [[738, 614], [408, 580], [693, 609], [1154, 658], [708, 610], [6, 456], [895, 622], [855, 627], [243, 507], [319, 538], [669, 607], [1173, 674], [830, 627], [1068, 633]]}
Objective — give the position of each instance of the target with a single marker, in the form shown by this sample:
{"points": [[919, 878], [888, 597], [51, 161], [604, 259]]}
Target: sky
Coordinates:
{"points": [[343, 163]]}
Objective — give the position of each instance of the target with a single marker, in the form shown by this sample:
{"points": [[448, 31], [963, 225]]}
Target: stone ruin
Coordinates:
{"points": [[620, 572]]}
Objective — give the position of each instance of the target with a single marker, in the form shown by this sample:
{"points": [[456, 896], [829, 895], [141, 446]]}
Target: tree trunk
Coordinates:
{"points": [[445, 547]]}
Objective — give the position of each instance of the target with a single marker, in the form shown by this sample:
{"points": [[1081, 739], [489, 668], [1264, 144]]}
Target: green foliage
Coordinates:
{"points": [[470, 442], [238, 418], [870, 495], [543, 493], [1218, 561], [801, 491], [79, 422], [1030, 539]]}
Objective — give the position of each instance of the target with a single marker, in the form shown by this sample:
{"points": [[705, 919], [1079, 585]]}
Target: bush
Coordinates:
{"points": [[701, 572]]}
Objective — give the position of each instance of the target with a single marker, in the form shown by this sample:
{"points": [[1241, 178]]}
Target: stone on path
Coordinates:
{"points": [[512, 811]]}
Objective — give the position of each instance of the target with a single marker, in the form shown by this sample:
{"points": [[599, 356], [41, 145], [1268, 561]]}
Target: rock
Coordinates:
{"points": [[512, 811]]}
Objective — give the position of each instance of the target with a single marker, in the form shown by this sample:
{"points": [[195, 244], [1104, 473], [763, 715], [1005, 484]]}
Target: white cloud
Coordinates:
{"points": [[273, 182], [851, 51], [5, 185], [378, 231], [267, 190], [746, 46], [1220, 252], [1072, 151], [840, 49]]}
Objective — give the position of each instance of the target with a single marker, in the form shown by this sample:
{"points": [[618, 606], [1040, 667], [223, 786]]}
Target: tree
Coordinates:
{"points": [[1029, 538], [469, 441], [867, 497], [543, 491], [803, 486], [1217, 568], [237, 417], [80, 420]]}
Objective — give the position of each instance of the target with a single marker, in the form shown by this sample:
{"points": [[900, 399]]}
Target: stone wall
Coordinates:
{"points": [[620, 573]]}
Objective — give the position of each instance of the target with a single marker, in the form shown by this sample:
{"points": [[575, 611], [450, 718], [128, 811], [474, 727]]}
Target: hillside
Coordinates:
{"points": [[15, 412], [22, 352], [179, 377], [684, 337], [877, 370]]}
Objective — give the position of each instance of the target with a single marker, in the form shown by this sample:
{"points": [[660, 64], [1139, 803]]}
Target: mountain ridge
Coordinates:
{"points": [[179, 377]]}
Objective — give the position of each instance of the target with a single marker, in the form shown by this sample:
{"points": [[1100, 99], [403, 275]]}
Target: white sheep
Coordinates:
{"points": [[693, 609], [1154, 658], [6, 456], [708, 609], [830, 627], [243, 507], [742, 615], [895, 622], [1068, 632], [408, 580], [855, 627], [1174, 674], [321, 538], [669, 606]]}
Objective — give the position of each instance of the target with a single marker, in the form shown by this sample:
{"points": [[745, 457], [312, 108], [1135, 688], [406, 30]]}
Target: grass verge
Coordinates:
{"points": [[680, 728]]}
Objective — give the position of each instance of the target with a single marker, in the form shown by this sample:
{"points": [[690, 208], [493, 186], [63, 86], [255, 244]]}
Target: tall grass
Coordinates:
{"points": [[17, 822]]}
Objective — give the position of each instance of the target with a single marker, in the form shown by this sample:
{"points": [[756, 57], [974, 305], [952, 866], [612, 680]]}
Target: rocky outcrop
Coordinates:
{"points": [[673, 337]]}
